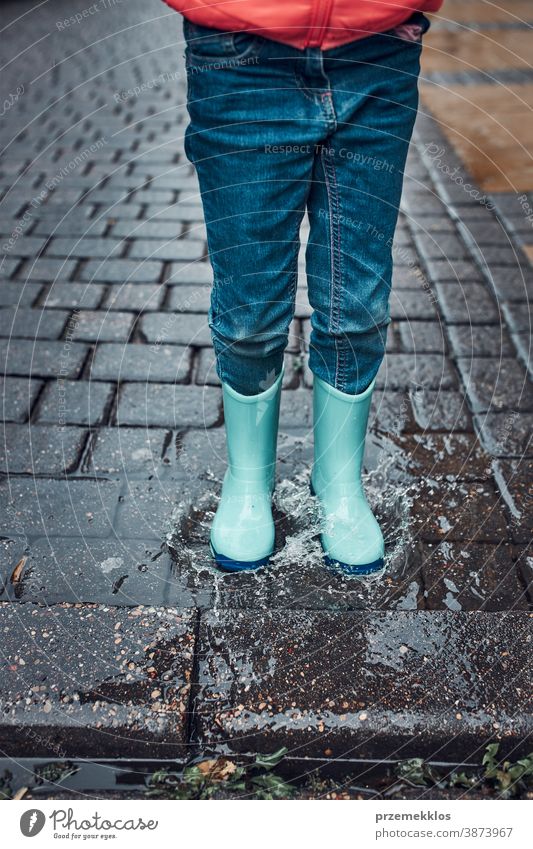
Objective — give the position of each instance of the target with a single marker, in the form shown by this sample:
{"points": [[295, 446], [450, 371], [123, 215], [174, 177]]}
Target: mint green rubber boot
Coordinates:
{"points": [[242, 534], [351, 537]]}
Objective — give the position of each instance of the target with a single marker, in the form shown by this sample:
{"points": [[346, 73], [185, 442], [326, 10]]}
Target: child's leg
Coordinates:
{"points": [[353, 207], [253, 153]]}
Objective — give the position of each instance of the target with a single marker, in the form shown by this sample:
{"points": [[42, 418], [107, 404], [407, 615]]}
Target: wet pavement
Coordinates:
{"points": [[119, 637]]}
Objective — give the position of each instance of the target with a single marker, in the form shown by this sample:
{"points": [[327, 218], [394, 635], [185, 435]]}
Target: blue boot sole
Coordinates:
{"points": [[349, 568], [226, 564]]}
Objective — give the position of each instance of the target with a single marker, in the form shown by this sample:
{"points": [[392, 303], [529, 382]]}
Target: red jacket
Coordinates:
{"points": [[303, 23]]}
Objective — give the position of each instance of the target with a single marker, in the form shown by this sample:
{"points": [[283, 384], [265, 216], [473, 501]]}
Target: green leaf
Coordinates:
{"points": [[461, 779], [412, 770], [271, 786], [270, 761], [489, 759]]}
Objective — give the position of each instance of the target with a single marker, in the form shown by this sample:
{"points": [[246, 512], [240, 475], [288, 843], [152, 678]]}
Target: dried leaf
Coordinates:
{"points": [[21, 792], [17, 571], [217, 770]]}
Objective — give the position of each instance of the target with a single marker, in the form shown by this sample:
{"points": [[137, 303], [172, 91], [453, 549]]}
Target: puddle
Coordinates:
{"points": [[297, 576]]}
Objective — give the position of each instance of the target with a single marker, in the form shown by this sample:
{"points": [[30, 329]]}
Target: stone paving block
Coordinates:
{"points": [[524, 348], [126, 450], [511, 284], [405, 277], [440, 246], [302, 308], [506, 434], [158, 196], [103, 326], [176, 329], [434, 224], [483, 232], [113, 571], [34, 449], [12, 551], [189, 299], [17, 397], [32, 323], [444, 455], [405, 371], [28, 246], [168, 251], [500, 256], [122, 271], [467, 305], [525, 570], [513, 478], [198, 579], [135, 296], [479, 341], [457, 271], [412, 305], [190, 273], [162, 405], [9, 266], [120, 690], [176, 212], [85, 248], [422, 336], [157, 363], [309, 585], [364, 686], [146, 229], [19, 294], [72, 226], [495, 384], [81, 296], [40, 358], [205, 369], [440, 411], [471, 577], [68, 507], [293, 368], [146, 509], [419, 204], [390, 412], [118, 211], [80, 402], [457, 511], [48, 270], [193, 230], [518, 317], [296, 410]]}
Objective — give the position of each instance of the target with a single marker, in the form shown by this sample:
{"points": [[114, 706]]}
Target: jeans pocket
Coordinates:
{"points": [[207, 45]]}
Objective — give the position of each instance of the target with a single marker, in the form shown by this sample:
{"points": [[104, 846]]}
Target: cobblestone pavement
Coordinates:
{"points": [[119, 639]]}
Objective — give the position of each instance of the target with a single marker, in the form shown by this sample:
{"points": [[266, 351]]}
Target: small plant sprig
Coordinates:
{"points": [[223, 777], [503, 778]]}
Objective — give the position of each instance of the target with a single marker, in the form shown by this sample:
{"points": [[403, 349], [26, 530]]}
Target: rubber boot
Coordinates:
{"points": [[242, 534], [351, 538]]}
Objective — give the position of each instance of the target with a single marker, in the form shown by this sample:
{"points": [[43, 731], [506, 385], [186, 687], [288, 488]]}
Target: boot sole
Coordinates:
{"points": [[227, 564], [375, 568], [350, 569]]}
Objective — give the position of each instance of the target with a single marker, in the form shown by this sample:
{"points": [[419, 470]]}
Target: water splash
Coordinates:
{"points": [[297, 576]]}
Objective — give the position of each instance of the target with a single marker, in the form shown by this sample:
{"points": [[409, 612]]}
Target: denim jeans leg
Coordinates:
{"points": [[353, 207], [250, 139]]}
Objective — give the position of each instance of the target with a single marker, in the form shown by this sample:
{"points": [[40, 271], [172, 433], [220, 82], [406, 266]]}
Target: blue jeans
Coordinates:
{"points": [[275, 132]]}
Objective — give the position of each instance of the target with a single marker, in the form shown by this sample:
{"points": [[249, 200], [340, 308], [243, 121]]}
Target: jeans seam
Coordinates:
{"points": [[335, 264], [301, 86]]}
